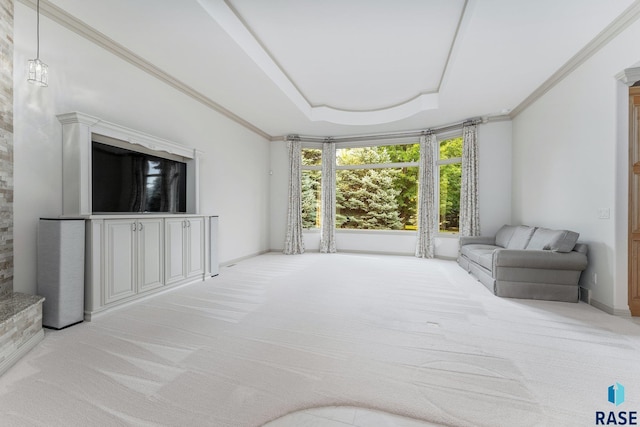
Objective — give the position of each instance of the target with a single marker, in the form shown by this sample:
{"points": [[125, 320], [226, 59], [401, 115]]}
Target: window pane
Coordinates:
{"points": [[311, 193], [378, 155], [403, 153], [451, 148], [450, 177], [376, 199], [311, 157]]}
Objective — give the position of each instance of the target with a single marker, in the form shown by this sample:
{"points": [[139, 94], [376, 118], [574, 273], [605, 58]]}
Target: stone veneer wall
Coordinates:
{"points": [[20, 314], [20, 327], [6, 148]]}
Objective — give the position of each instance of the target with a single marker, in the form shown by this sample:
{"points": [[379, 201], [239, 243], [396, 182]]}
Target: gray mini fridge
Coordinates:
{"points": [[61, 271]]}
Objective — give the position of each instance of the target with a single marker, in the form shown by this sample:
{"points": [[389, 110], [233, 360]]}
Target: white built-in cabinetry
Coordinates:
{"points": [[132, 257], [133, 251], [129, 256], [185, 248]]}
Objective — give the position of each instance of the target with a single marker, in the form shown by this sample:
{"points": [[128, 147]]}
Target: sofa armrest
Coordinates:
{"points": [[477, 240], [550, 260]]}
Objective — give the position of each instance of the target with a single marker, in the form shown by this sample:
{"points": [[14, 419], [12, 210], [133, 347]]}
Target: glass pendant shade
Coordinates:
{"points": [[38, 72]]}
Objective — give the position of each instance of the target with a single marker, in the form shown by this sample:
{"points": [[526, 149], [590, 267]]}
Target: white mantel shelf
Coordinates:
{"points": [[122, 133], [144, 215]]}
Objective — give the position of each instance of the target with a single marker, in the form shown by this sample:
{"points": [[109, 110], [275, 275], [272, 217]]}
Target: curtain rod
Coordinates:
{"points": [[377, 136]]}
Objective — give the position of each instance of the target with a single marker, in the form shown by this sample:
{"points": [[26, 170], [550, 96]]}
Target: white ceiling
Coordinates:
{"points": [[344, 67]]}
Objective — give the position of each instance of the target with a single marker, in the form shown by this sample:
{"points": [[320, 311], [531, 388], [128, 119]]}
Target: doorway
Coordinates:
{"points": [[634, 200]]}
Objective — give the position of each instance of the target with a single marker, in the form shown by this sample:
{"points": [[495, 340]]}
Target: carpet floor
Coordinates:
{"points": [[277, 334]]}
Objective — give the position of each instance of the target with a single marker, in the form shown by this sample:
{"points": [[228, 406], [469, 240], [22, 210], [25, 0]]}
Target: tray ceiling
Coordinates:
{"points": [[340, 67]]}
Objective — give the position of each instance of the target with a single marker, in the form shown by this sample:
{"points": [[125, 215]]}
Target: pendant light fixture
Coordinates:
{"points": [[38, 70]]}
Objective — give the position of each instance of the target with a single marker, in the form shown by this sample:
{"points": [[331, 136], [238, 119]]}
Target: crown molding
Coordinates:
{"points": [[70, 22], [622, 22], [629, 76], [496, 118]]}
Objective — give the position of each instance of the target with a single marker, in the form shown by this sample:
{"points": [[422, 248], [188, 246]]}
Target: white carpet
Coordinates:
{"points": [[276, 334]]}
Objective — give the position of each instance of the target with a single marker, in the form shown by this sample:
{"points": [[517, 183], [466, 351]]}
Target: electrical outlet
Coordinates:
{"points": [[604, 213], [595, 278]]}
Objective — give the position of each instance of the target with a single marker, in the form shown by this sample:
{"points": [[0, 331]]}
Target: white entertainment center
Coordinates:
{"points": [[132, 255]]}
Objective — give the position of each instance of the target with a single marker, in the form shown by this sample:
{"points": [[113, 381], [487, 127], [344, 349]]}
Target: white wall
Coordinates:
{"points": [[570, 161], [83, 77], [278, 188], [494, 141], [494, 186]]}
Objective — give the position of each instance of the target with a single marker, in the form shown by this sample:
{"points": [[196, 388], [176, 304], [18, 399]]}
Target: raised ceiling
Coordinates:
{"points": [[344, 67]]}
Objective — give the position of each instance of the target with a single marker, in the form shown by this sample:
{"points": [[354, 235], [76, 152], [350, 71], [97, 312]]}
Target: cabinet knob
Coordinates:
{"points": [[140, 226], [133, 227]]}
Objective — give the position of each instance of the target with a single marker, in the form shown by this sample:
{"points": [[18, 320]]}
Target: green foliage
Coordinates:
{"points": [[406, 183], [382, 198], [450, 180], [311, 157], [451, 148], [403, 153], [311, 190], [366, 198]]}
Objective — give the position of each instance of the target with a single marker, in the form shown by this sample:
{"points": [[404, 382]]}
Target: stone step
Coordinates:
{"points": [[20, 327]]}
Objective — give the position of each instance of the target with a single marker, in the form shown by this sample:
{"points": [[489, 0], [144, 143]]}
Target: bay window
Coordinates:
{"points": [[377, 186]]}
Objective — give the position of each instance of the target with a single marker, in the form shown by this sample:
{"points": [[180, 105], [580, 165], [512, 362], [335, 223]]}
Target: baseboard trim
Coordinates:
{"points": [[21, 351], [357, 251], [242, 258], [621, 312]]}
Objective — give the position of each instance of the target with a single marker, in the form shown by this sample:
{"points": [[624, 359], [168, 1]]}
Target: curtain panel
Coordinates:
{"points": [[469, 215], [328, 206], [294, 243], [427, 210]]}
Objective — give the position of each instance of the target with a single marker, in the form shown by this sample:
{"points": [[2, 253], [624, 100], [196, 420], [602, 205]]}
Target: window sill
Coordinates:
{"points": [[448, 235], [455, 236]]}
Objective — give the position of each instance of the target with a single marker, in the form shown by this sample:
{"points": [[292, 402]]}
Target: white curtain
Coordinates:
{"points": [[294, 244], [427, 210], [327, 229], [469, 216]]}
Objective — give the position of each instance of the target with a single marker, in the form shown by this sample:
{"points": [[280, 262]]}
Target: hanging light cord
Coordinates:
{"points": [[38, 29]]}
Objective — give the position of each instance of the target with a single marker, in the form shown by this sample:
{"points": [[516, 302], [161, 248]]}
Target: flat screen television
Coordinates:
{"points": [[127, 181]]}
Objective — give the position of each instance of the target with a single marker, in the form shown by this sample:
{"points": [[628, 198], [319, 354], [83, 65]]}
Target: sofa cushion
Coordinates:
{"points": [[554, 240], [486, 260], [521, 237], [542, 238], [476, 252], [504, 235], [565, 241]]}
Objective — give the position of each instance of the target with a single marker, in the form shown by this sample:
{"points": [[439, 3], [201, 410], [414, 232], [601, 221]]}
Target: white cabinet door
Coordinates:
{"points": [[150, 240], [127, 257], [175, 249], [120, 258], [195, 246]]}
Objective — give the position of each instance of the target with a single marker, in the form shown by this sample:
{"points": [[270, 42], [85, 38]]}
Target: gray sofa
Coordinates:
{"points": [[526, 262]]}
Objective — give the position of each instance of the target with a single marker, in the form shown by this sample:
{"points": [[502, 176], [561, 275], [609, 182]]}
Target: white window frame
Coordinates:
{"points": [[376, 143], [405, 141]]}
